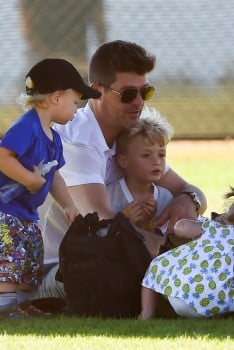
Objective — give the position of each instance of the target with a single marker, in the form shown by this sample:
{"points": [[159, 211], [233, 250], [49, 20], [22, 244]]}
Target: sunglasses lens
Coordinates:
{"points": [[147, 92], [128, 95]]}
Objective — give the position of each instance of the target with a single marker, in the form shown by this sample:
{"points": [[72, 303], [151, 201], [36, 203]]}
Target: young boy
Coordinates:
{"points": [[53, 90], [141, 154]]}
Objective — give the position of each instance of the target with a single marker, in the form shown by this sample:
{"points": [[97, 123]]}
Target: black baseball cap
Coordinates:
{"points": [[52, 74]]}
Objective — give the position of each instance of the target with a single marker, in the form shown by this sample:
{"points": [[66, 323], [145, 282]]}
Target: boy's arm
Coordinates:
{"points": [[63, 198], [11, 167]]}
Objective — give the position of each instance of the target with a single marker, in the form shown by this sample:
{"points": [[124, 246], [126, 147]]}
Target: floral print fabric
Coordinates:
{"points": [[21, 251]]}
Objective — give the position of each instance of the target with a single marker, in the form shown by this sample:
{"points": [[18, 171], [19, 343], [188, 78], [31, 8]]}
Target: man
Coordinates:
{"points": [[118, 70]]}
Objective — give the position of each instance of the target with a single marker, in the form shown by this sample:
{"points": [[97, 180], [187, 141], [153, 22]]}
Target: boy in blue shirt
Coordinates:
{"points": [[53, 90]]}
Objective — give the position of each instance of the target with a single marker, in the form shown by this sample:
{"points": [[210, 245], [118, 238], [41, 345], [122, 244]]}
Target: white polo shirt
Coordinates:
{"points": [[86, 152], [88, 160]]}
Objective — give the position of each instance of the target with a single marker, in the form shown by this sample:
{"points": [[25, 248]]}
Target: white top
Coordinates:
{"points": [[86, 151], [121, 196], [88, 160]]}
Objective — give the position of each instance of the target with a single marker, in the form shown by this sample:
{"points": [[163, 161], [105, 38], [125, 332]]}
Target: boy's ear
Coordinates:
{"points": [[122, 161], [55, 96]]}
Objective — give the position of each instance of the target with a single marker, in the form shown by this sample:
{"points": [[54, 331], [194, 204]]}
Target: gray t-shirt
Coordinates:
{"points": [[120, 196]]}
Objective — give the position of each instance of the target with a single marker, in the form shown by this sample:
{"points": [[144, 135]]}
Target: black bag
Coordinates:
{"points": [[102, 274]]}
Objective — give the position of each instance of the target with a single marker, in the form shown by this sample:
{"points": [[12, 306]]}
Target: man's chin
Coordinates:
{"points": [[133, 121]]}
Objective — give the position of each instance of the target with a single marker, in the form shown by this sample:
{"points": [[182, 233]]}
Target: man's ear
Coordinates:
{"points": [[122, 161], [96, 86]]}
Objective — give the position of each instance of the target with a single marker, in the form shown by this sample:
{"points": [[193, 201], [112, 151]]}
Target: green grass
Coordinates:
{"points": [[207, 164], [79, 333]]}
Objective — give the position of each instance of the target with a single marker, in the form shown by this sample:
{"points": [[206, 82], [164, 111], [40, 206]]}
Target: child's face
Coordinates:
{"points": [[143, 162], [66, 107]]}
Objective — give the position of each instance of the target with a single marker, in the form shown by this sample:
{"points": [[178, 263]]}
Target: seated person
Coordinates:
{"points": [[141, 154], [197, 278]]}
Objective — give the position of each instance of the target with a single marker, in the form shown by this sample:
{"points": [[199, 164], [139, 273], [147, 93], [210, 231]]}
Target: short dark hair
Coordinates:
{"points": [[119, 56]]}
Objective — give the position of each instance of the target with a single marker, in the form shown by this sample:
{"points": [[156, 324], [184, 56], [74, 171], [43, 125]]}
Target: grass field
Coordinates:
{"points": [[207, 164], [64, 333]]}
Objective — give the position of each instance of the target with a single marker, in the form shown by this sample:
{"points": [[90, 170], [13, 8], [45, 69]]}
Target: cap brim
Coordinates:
{"points": [[87, 92]]}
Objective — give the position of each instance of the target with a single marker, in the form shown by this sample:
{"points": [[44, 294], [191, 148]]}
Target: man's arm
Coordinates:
{"points": [[91, 198], [183, 206]]}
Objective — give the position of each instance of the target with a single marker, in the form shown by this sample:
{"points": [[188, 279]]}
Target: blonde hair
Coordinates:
{"points": [[27, 101], [151, 126]]}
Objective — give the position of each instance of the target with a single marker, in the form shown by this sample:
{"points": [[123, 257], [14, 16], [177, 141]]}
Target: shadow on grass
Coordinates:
{"points": [[74, 326]]}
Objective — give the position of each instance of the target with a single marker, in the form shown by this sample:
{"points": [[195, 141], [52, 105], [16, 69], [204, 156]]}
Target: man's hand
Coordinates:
{"points": [[182, 207]]}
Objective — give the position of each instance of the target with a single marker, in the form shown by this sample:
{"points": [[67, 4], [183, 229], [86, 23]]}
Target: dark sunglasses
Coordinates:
{"points": [[129, 94]]}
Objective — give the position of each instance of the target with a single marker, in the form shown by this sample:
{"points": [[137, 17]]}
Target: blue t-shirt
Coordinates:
{"points": [[28, 140]]}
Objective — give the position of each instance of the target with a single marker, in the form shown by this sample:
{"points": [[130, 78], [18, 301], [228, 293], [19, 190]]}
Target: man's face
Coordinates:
{"points": [[114, 112]]}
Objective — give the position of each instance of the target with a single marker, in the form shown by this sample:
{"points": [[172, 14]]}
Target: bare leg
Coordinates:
{"points": [[148, 303], [7, 297], [7, 287]]}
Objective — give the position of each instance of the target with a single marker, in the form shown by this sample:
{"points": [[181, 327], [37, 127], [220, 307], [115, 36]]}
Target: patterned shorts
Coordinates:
{"points": [[21, 251]]}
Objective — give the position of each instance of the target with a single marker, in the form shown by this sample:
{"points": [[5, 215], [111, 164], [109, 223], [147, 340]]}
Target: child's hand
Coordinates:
{"points": [[133, 212], [37, 180], [149, 209], [70, 212]]}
